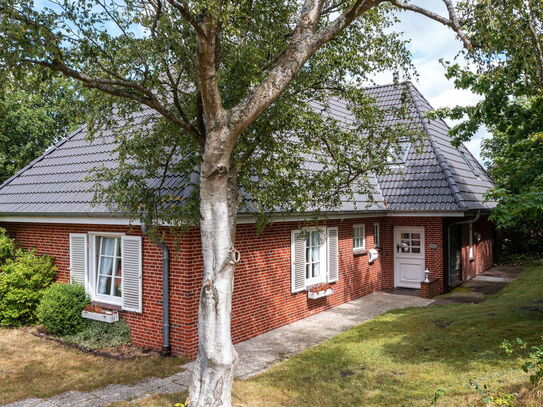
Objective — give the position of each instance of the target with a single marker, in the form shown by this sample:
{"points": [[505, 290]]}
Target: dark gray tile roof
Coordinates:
{"points": [[436, 179]]}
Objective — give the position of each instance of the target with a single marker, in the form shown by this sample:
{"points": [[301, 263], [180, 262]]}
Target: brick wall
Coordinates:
{"points": [[262, 293], [432, 288]]}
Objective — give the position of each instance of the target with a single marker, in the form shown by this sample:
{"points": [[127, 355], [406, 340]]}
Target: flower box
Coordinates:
{"points": [[100, 314], [313, 295]]}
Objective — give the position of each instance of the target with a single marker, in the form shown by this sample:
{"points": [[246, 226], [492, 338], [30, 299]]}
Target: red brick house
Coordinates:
{"points": [[428, 214]]}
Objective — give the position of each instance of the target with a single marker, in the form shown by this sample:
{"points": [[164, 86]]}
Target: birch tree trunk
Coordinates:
{"points": [[219, 201]]}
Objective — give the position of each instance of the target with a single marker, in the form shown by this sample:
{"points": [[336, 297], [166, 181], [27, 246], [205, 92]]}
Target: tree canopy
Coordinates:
{"points": [[137, 55], [236, 96], [35, 111], [506, 70]]}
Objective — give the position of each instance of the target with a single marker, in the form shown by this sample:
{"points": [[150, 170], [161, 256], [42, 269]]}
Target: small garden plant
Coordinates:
{"points": [[99, 335], [60, 314], [60, 308], [24, 276]]}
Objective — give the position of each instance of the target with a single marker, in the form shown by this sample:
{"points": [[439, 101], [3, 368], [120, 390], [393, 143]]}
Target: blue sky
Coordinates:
{"points": [[430, 41]]}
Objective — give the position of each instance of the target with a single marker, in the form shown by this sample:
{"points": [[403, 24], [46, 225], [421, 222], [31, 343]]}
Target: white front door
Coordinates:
{"points": [[408, 256]]}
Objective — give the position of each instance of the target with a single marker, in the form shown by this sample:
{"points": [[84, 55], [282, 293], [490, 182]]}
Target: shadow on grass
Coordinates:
{"points": [[404, 356]]}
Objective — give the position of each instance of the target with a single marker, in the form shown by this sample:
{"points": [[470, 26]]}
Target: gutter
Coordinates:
{"points": [[449, 228], [166, 347]]}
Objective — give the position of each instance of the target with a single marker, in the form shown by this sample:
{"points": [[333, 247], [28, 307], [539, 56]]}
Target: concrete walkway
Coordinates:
{"points": [[255, 355], [478, 288]]}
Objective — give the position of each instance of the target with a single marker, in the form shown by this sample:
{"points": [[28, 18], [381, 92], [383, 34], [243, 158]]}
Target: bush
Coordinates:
{"points": [[22, 282], [7, 247], [98, 335], [60, 308]]}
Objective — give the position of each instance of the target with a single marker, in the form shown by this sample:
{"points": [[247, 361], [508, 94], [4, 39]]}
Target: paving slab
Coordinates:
{"points": [[477, 289]]}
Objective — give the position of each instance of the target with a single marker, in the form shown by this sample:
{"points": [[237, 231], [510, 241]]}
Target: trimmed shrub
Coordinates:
{"points": [[60, 308], [7, 246], [98, 335], [22, 282]]}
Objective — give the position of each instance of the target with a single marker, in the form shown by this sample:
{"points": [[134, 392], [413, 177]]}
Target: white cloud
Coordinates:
{"points": [[429, 42]]}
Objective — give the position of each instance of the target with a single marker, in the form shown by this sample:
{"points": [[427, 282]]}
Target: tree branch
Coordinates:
{"points": [[537, 45], [120, 88], [309, 17], [451, 22], [207, 72], [184, 9], [304, 44]]}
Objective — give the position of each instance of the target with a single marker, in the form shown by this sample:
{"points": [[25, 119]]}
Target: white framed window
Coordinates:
{"points": [[109, 266], [471, 251], [359, 237], [314, 256], [376, 235], [105, 267]]}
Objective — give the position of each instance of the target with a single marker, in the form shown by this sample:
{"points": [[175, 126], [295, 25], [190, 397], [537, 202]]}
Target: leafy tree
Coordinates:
{"points": [[35, 111], [237, 97], [506, 69]]}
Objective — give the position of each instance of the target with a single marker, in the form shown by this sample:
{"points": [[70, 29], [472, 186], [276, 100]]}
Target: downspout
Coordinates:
{"points": [[166, 347], [449, 228]]}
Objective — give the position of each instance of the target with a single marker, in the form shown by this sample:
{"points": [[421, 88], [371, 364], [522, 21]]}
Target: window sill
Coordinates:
{"points": [[359, 252], [106, 305]]}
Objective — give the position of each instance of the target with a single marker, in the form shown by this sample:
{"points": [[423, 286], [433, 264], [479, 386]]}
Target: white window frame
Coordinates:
{"points": [[92, 269], [362, 227], [469, 164], [376, 241], [397, 155], [323, 269], [471, 251]]}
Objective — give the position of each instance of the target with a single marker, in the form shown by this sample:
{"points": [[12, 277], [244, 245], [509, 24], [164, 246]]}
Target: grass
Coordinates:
{"points": [[404, 357], [97, 335], [37, 367]]}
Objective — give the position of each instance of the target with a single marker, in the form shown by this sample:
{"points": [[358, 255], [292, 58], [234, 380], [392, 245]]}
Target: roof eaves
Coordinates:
{"points": [[442, 161]]}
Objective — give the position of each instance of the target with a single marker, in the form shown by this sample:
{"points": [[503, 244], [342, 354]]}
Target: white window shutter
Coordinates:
{"points": [[298, 261], [78, 258], [131, 251], [333, 253]]}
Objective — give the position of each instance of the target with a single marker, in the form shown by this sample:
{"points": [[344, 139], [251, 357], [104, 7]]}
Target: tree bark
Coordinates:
{"points": [[219, 201]]}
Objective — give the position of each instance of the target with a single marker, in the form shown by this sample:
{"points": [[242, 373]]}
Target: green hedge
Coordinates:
{"points": [[60, 308], [7, 246], [22, 282]]}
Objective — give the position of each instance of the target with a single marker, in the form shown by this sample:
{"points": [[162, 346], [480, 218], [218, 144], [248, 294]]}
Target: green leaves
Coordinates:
{"points": [[134, 55], [505, 69], [35, 111]]}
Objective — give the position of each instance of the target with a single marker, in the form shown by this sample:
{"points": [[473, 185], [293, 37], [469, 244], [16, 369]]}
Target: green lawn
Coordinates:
{"points": [[403, 357]]}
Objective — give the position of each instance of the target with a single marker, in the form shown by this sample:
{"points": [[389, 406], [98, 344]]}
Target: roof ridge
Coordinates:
{"points": [[442, 161], [43, 155], [389, 85]]}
